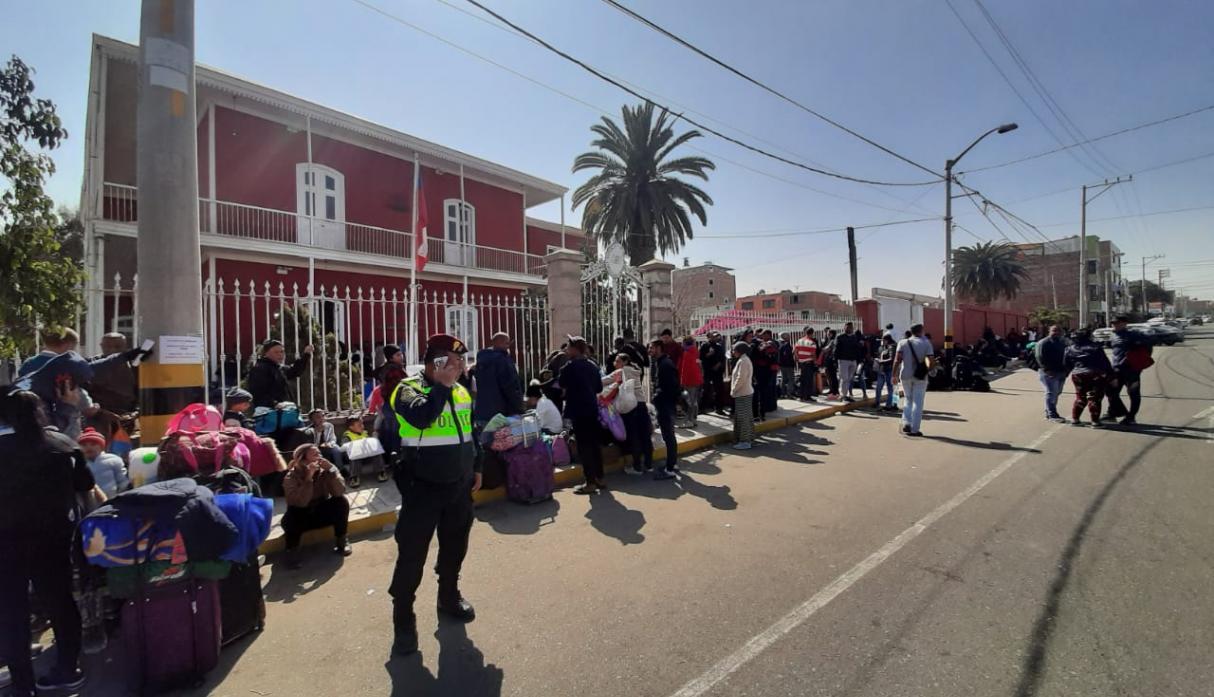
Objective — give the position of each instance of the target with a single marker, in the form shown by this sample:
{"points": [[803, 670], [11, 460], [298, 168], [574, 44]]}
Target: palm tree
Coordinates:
{"points": [[987, 271], [635, 198]]}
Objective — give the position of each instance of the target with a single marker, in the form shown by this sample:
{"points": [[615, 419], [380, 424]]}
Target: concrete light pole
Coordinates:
{"points": [[1083, 242], [169, 264], [1146, 310], [948, 237]]}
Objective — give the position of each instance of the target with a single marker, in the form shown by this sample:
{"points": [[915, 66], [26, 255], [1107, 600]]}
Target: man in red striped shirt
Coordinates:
{"points": [[806, 354]]}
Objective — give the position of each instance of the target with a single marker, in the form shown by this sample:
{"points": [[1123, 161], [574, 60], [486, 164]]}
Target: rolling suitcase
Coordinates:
{"points": [[171, 633], [529, 474], [242, 605]]}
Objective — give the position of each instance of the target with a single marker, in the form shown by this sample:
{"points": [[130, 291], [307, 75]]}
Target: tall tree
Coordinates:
{"points": [[987, 271], [42, 282], [635, 197]]}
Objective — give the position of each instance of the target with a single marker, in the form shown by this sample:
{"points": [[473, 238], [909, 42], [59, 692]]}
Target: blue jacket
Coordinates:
{"points": [[582, 383], [498, 389]]}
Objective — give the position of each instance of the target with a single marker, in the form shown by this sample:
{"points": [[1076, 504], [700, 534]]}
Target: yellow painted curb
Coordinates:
{"points": [[567, 477]]}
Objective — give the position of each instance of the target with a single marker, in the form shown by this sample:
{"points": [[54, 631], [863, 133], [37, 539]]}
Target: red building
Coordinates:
{"points": [[294, 194]]}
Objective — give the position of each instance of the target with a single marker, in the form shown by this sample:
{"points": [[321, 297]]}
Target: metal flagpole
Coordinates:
{"points": [[462, 220], [413, 340]]}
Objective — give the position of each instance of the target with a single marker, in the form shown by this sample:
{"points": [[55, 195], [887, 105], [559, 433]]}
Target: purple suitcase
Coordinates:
{"points": [[171, 633], [529, 474]]}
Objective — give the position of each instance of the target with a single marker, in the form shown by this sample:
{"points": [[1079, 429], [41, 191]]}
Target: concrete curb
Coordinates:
{"points": [[568, 477]]}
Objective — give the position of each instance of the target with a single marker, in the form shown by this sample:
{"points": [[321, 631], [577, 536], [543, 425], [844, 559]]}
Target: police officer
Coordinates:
{"points": [[438, 469]]}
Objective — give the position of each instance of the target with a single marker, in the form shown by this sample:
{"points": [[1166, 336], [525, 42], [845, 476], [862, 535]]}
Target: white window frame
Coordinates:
{"points": [[324, 231], [459, 242], [467, 330]]}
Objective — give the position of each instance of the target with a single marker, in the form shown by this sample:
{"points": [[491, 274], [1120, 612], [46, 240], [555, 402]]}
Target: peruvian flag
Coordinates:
{"points": [[421, 247]]}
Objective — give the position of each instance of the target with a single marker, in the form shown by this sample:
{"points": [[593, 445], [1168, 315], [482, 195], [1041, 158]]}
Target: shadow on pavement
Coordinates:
{"points": [[1033, 669], [519, 519], [984, 445], [614, 519], [319, 565], [718, 497], [1160, 431], [461, 669]]}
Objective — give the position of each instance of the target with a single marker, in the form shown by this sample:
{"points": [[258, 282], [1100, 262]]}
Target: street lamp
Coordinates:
{"points": [[948, 237]]}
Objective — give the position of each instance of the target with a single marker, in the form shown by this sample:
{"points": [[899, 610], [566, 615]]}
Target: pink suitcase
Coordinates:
{"points": [[171, 633]]}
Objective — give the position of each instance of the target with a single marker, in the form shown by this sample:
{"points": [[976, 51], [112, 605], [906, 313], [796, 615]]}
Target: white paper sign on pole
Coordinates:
{"points": [[180, 350]]}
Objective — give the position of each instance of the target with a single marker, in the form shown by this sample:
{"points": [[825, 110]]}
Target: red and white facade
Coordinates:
{"points": [[297, 195]]}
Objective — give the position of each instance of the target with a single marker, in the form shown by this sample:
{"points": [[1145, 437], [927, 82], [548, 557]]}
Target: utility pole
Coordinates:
{"points": [[1083, 241], [851, 260], [1146, 310], [169, 260], [1108, 296]]}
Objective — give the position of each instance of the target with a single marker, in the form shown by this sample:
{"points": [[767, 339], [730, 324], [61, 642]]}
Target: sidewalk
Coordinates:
{"points": [[374, 506]]}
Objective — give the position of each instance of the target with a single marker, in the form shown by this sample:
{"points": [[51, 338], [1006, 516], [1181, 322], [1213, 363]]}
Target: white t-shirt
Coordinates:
{"points": [[549, 416], [923, 349]]}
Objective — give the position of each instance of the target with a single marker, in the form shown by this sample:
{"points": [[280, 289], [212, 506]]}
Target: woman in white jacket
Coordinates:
{"points": [[741, 388], [636, 420]]}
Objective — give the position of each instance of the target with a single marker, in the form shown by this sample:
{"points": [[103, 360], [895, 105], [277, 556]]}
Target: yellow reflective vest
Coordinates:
{"points": [[452, 427]]}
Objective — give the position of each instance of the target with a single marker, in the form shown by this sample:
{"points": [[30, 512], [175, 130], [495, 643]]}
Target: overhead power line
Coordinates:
{"points": [[763, 86], [1122, 131], [452, 5], [698, 124], [820, 231], [1139, 215], [1135, 173], [596, 108]]}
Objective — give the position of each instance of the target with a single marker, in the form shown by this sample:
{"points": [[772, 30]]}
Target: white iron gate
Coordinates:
{"points": [[613, 300]]}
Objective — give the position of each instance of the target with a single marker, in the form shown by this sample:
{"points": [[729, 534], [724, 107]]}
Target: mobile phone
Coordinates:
{"points": [[147, 345], [440, 362]]}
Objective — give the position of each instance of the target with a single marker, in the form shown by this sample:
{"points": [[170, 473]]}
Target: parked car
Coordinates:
{"points": [[1159, 333], [1196, 321]]}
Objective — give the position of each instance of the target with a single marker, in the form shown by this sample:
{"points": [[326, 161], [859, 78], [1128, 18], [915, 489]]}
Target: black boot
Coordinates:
{"points": [[452, 604], [404, 629]]}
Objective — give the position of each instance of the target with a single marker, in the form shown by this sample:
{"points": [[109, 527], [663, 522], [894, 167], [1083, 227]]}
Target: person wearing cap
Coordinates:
{"points": [[581, 384], [238, 404], [108, 469], [438, 469], [269, 379]]}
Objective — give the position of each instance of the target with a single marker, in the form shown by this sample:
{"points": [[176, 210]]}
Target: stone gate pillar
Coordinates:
{"points": [[659, 304], [564, 295]]}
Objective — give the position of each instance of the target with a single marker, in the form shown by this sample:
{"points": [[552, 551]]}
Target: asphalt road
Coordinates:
{"points": [[1001, 555]]}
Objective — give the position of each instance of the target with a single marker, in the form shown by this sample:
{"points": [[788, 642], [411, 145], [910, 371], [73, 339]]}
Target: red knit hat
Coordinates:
{"points": [[91, 435]]}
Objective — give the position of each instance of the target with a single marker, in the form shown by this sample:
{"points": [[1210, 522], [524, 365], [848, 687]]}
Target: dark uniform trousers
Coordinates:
{"points": [[425, 508]]}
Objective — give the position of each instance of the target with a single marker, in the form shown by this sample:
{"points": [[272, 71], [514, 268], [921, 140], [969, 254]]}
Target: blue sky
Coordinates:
{"points": [[903, 72]]}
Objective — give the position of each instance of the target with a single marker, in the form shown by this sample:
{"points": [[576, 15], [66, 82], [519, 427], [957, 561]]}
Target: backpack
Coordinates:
{"points": [[1139, 358], [196, 417], [264, 457], [185, 454]]}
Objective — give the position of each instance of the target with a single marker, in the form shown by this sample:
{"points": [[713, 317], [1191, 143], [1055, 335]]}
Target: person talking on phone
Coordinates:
{"points": [[438, 469]]}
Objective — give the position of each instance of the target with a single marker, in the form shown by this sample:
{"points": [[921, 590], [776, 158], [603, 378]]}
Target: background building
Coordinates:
{"points": [[1053, 279], [706, 285], [804, 301]]}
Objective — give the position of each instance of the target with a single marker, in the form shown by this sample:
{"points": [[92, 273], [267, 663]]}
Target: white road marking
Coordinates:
{"points": [[762, 641], [1208, 412]]}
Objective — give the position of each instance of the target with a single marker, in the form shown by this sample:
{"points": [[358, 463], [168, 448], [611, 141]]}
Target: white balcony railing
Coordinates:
{"points": [[119, 204]]}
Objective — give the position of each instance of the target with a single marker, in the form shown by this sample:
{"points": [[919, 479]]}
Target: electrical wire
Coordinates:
{"points": [[704, 54], [598, 109], [1068, 124], [698, 124], [1122, 131], [650, 94], [1012, 85], [821, 231]]}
